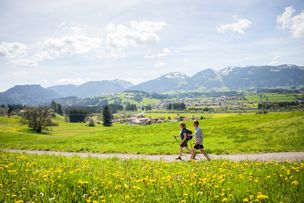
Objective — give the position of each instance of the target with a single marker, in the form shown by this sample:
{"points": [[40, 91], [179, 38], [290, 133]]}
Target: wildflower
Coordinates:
{"points": [[224, 199], [262, 196], [245, 200], [295, 183], [19, 201], [82, 182]]}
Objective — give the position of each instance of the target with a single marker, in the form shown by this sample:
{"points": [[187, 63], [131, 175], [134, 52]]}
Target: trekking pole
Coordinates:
{"points": [[175, 139]]}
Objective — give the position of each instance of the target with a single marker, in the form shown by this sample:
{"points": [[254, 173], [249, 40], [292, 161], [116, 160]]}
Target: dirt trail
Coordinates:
{"points": [[278, 156]]}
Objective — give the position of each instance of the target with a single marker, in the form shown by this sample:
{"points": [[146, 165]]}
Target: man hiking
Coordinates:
{"points": [[198, 134], [184, 140]]}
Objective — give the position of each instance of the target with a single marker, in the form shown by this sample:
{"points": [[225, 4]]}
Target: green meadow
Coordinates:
{"points": [[224, 133], [42, 178]]}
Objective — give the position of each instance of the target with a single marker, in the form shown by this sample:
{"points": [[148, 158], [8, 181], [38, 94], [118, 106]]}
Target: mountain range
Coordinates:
{"points": [[229, 78]]}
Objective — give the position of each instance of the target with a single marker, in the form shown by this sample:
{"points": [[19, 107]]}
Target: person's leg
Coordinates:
{"points": [[180, 153], [205, 154], [193, 154]]}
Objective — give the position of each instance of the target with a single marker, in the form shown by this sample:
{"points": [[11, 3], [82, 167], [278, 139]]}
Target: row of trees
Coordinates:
{"points": [[39, 118], [176, 106], [131, 107], [277, 105]]}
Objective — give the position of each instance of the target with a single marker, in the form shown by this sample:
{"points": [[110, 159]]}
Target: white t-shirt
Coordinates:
{"points": [[198, 134]]}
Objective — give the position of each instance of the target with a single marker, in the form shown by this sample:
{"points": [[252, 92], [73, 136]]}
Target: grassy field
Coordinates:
{"points": [[41, 178], [224, 133], [273, 97]]}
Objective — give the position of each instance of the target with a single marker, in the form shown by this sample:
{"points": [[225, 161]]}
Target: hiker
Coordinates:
{"points": [[198, 134], [184, 140]]}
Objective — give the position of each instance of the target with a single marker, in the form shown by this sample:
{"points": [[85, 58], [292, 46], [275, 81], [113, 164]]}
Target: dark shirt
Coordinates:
{"points": [[182, 132]]}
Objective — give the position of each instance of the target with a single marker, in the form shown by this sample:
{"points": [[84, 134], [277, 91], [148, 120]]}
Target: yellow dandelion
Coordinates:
{"points": [[262, 196], [295, 183], [245, 200]]}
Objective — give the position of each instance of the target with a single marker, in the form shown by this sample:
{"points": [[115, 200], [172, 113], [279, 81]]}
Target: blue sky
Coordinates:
{"points": [[74, 41]]}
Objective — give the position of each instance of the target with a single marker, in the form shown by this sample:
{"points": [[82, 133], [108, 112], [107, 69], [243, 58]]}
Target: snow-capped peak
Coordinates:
{"points": [[176, 75], [226, 70]]}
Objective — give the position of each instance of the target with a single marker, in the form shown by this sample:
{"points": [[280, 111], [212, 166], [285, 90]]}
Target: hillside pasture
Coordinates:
{"points": [[223, 134]]}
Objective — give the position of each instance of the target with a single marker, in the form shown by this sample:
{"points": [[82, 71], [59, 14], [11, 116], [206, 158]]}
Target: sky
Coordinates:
{"points": [[74, 41]]}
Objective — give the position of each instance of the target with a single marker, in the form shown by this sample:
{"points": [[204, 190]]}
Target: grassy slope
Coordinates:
{"points": [[41, 178], [273, 97], [224, 133]]}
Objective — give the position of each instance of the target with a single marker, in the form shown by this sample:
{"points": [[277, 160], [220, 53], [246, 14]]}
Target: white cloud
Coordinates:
{"points": [[75, 41], [163, 53], [12, 50], [72, 43], [119, 36], [186, 60], [292, 23], [239, 26], [274, 60], [159, 64], [30, 60]]}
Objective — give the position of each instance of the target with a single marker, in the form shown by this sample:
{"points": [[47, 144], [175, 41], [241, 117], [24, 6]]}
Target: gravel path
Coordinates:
{"points": [[279, 156]]}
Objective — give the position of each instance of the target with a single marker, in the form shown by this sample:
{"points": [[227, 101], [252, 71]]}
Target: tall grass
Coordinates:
{"points": [[42, 178]]}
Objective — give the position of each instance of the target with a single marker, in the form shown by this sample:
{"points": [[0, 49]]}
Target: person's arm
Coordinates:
{"points": [[195, 135], [185, 138]]}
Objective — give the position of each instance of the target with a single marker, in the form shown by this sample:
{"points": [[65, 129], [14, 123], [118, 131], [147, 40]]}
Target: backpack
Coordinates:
{"points": [[189, 134]]}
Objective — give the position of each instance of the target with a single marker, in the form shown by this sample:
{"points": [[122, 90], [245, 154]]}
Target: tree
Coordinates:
{"points": [[57, 107], [38, 118], [106, 116], [130, 107], [176, 106]]}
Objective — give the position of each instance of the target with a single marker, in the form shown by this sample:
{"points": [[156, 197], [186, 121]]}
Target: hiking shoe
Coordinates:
{"points": [[178, 158]]}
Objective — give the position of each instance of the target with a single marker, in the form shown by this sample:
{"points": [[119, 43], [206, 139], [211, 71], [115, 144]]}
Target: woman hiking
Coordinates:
{"points": [[184, 140]]}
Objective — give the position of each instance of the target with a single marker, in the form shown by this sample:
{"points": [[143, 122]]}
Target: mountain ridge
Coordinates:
{"points": [[228, 78]]}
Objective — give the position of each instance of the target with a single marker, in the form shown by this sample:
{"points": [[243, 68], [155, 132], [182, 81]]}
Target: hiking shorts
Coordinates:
{"points": [[198, 146], [184, 144]]}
